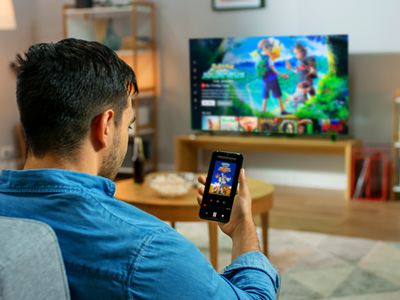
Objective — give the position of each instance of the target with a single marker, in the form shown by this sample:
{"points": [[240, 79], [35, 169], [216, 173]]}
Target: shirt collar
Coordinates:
{"points": [[40, 178]]}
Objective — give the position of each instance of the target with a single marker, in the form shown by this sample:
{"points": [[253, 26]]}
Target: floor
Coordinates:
{"points": [[327, 211], [320, 266]]}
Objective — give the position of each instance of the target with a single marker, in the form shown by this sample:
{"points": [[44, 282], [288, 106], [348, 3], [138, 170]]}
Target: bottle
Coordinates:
{"points": [[138, 160], [112, 40]]}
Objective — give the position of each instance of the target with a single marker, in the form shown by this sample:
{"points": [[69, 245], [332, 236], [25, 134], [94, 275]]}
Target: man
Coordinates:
{"points": [[74, 99]]}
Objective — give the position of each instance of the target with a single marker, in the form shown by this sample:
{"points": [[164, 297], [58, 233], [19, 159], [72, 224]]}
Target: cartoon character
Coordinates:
{"points": [[267, 71], [221, 185], [297, 98], [306, 68], [288, 126], [305, 126]]}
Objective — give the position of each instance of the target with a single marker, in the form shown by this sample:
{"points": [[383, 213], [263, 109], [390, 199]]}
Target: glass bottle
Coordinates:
{"points": [[138, 160], [112, 40]]}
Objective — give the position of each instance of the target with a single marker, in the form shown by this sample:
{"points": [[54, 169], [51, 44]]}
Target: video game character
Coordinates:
{"points": [[306, 68], [288, 126], [267, 71], [221, 186]]}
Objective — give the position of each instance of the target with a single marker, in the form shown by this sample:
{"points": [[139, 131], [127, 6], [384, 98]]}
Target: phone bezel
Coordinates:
{"points": [[220, 155]]}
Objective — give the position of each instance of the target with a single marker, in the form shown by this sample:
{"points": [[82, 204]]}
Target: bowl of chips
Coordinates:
{"points": [[171, 184]]}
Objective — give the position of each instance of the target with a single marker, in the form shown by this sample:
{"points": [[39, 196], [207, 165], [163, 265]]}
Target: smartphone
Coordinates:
{"points": [[221, 185]]}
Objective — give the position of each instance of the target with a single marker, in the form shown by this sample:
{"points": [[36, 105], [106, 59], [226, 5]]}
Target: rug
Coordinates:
{"points": [[320, 266]]}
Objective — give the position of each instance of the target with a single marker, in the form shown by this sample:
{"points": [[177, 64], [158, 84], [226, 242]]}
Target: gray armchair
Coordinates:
{"points": [[31, 266]]}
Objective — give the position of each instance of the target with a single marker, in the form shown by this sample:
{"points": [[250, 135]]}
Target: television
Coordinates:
{"points": [[270, 84]]}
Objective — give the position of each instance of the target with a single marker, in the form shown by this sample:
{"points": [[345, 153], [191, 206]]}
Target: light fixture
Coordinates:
{"points": [[7, 15]]}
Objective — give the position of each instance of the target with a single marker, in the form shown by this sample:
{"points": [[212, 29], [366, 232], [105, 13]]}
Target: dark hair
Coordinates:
{"points": [[62, 87], [301, 48]]}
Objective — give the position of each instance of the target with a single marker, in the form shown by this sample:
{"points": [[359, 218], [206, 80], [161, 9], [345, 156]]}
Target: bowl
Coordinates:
{"points": [[171, 184]]}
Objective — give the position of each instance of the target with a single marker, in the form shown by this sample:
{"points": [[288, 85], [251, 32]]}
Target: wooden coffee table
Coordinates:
{"points": [[186, 208]]}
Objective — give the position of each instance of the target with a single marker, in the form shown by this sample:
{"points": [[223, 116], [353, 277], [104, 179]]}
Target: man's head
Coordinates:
{"points": [[74, 93]]}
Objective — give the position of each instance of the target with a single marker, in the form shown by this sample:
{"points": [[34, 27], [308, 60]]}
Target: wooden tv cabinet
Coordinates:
{"points": [[188, 146]]}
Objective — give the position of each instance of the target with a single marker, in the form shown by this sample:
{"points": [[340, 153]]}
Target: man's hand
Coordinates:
{"points": [[241, 226]]}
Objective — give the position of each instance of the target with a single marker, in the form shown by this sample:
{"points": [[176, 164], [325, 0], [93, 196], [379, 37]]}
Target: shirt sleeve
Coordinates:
{"points": [[171, 267]]}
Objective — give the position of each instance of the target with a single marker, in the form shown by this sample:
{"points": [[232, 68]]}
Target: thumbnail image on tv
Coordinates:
{"points": [[268, 85]]}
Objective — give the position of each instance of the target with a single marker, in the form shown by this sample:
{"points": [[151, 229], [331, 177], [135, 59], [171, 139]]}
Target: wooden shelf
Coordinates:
{"points": [[103, 11], [141, 47], [187, 147], [210, 142], [147, 130], [395, 145], [136, 23], [147, 93]]}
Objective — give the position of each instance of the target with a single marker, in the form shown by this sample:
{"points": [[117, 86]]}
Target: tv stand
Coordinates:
{"points": [[188, 146]]}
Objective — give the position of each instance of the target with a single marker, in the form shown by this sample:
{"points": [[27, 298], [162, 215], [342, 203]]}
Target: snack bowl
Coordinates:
{"points": [[171, 184]]}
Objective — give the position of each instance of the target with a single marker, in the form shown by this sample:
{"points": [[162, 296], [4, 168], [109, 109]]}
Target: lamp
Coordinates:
{"points": [[7, 15], [144, 68]]}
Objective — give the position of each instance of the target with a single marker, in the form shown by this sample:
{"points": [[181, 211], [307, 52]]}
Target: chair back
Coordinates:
{"points": [[31, 265]]}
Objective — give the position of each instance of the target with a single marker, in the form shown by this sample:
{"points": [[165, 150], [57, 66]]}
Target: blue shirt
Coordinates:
{"points": [[113, 250]]}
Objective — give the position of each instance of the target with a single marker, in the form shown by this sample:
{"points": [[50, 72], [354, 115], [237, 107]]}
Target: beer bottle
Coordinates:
{"points": [[138, 160]]}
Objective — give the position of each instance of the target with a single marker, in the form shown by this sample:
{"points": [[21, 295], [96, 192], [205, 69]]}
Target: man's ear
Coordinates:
{"points": [[103, 130]]}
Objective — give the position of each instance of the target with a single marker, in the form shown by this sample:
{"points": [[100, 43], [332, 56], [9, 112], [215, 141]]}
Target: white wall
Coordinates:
{"points": [[11, 43], [48, 20], [374, 71], [37, 21]]}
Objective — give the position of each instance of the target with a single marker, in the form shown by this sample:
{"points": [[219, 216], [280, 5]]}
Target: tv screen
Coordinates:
{"points": [[270, 85]]}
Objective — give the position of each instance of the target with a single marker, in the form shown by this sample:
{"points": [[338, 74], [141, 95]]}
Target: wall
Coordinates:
{"points": [[48, 20], [33, 19], [374, 71], [11, 43]]}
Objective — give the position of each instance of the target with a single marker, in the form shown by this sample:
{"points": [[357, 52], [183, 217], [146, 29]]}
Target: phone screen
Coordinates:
{"points": [[222, 178], [221, 185]]}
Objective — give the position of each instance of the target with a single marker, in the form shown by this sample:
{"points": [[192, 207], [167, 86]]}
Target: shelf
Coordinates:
{"points": [[106, 11], [146, 93], [136, 24], [188, 147], [99, 11], [145, 130], [142, 46], [145, 127]]}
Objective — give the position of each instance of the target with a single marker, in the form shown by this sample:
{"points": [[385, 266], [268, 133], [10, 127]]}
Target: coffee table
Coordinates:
{"points": [[186, 208]]}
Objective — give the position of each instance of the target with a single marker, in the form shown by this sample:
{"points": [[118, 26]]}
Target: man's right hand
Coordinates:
{"points": [[241, 226]]}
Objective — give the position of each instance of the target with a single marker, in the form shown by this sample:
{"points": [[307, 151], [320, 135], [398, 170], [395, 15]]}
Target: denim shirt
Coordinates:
{"points": [[113, 250]]}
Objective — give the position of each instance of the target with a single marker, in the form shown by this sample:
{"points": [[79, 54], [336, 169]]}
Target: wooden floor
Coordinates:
{"points": [[326, 211]]}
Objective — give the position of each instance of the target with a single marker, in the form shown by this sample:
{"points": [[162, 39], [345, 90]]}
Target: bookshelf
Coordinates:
{"points": [[133, 29], [396, 147]]}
